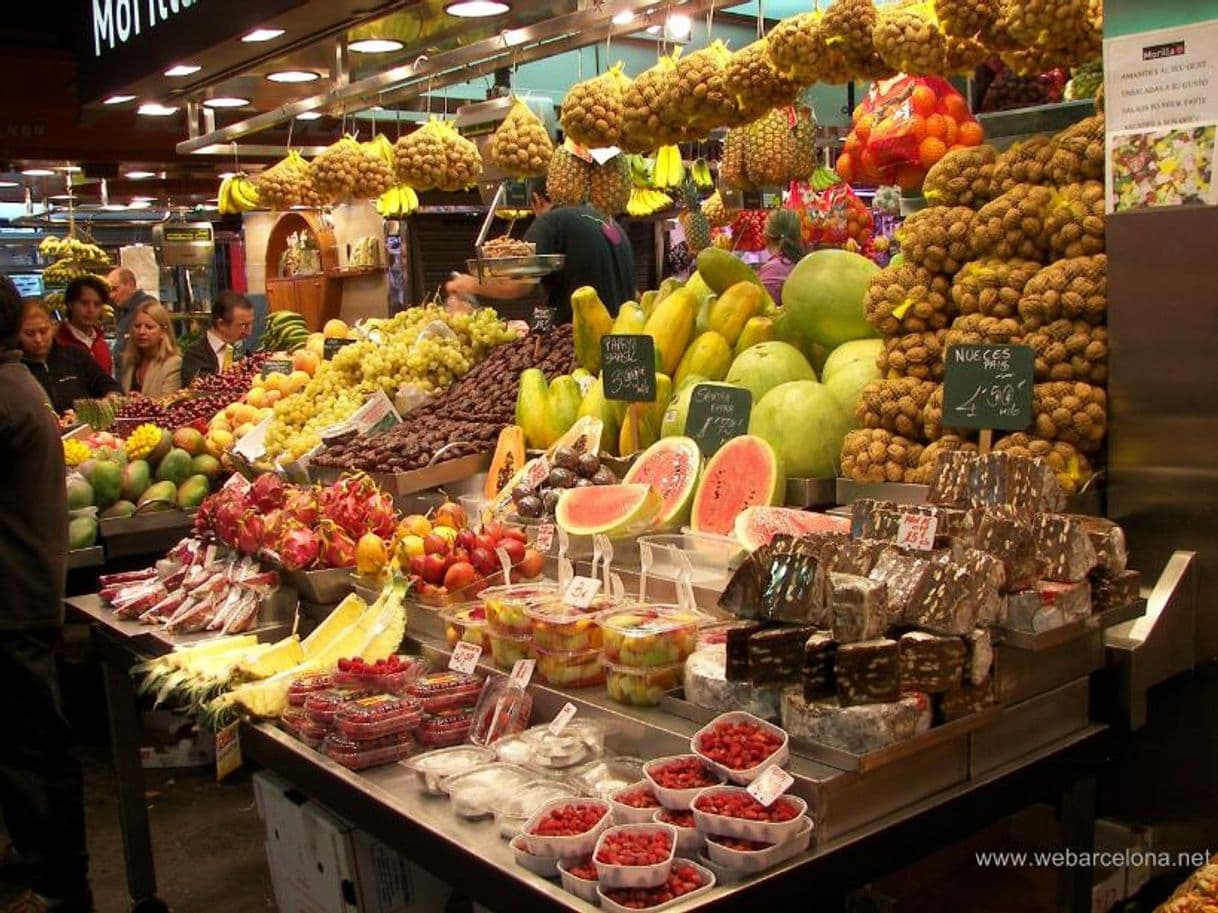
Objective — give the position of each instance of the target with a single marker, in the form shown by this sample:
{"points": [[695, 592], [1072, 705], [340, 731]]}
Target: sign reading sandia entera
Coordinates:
{"points": [[115, 22]]}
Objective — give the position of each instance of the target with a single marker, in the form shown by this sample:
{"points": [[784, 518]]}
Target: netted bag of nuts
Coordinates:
{"points": [[755, 82], [895, 405], [421, 158], [1013, 225], [938, 238], [521, 145], [1070, 350], [918, 355], [932, 419], [643, 130], [976, 329], [700, 100], [592, 109], [1071, 467], [963, 177], [1074, 224], [908, 299], [378, 168], [1024, 163], [966, 18], [908, 39], [1045, 23], [878, 455], [1074, 289], [964, 55], [992, 287], [798, 50], [1071, 411], [1078, 153], [287, 183], [334, 170], [1033, 63], [849, 30]]}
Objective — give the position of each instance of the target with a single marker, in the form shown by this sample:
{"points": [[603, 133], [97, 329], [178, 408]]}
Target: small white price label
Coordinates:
{"points": [[545, 537], [917, 531], [465, 657], [522, 672], [237, 481], [581, 591], [505, 563], [770, 784], [559, 723]]}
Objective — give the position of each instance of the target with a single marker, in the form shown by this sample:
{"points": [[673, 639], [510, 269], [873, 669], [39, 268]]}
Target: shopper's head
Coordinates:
{"points": [[232, 317], [84, 299], [152, 332], [784, 234], [37, 331], [123, 284], [12, 308], [541, 201]]}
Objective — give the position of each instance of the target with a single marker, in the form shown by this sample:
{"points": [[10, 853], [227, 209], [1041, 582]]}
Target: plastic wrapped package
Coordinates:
{"points": [[776, 655], [858, 608], [979, 656], [1001, 478], [858, 729], [432, 767], [540, 749], [1026, 611], [321, 706], [359, 755], [1114, 589], [606, 775], [514, 810], [1072, 599], [478, 792], [950, 480], [304, 685], [706, 685], [445, 727], [876, 520], [868, 672], [858, 556], [446, 690], [377, 716], [1010, 541], [903, 576], [503, 709], [963, 701], [931, 663], [949, 599]]}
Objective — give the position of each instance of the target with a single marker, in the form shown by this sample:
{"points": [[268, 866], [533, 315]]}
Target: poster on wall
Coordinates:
{"points": [[1161, 106]]}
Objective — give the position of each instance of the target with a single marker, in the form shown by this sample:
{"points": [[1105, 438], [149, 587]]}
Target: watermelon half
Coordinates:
{"points": [[670, 466], [610, 510], [756, 526], [744, 473]]}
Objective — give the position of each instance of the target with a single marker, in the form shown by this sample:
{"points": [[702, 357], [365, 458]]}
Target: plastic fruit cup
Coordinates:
{"points": [[569, 669], [647, 875], [679, 797], [646, 636], [560, 626], [696, 880], [743, 775], [762, 855], [467, 623], [545, 866], [634, 804], [506, 649], [641, 687], [689, 839], [583, 888], [506, 605], [567, 846]]}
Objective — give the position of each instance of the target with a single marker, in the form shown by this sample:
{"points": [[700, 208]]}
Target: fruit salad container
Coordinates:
{"points": [[641, 686], [607, 775], [377, 716], [677, 779], [569, 668], [567, 828], [467, 623], [445, 727], [545, 866], [730, 811], [647, 636], [708, 558], [750, 856], [686, 881], [477, 792], [512, 813], [432, 767], [304, 685], [506, 606], [321, 706], [387, 676], [634, 804], [557, 625], [369, 752], [446, 690], [740, 746], [503, 709], [689, 839], [618, 851], [578, 877]]}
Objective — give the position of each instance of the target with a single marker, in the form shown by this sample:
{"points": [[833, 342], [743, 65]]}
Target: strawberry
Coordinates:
{"points": [[739, 745], [682, 818], [681, 881], [630, 846], [637, 798], [743, 846], [583, 869], [738, 803], [569, 820], [684, 772]]}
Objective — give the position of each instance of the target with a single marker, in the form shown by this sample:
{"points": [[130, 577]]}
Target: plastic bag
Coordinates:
{"points": [[832, 216]]}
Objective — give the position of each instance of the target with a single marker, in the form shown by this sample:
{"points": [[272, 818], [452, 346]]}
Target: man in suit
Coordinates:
{"points": [[232, 319], [127, 296]]}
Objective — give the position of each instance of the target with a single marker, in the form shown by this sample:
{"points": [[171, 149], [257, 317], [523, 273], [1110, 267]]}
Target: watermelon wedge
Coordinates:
{"points": [[611, 510], [670, 466], [744, 473], [756, 526]]}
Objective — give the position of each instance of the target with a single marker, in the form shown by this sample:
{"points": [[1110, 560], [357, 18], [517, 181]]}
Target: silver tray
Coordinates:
{"points": [[148, 533], [533, 267], [405, 483], [811, 492], [1044, 640], [324, 587]]}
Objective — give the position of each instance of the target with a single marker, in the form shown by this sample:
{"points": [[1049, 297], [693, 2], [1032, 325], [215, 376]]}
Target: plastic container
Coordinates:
{"points": [[304, 685], [764, 856], [507, 649], [430, 768], [567, 846], [704, 875], [679, 797], [581, 741], [641, 686], [515, 810], [646, 636], [378, 716], [709, 558], [626, 803], [367, 753], [448, 727], [467, 623], [569, 669], [614, 875], [545, 866], [476, 793], [689, 839], [503, 709], [583, 888], [506, 605], [446, 690], [391, 681], [607, 775], [560, 626], [749, 828], [321, 706], [744, 775]]}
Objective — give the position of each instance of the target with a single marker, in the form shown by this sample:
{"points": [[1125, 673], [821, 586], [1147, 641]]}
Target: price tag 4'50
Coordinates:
{"points": [[770, 784], [465, 657]]}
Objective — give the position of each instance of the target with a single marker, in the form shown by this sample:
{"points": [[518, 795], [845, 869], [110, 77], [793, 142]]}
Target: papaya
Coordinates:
{"points": [[630, 319], [563, 408], [610, 413], [697, 285], [722, 269], [508, 459], [709, 356], [667, 287], [585, 379], [533, 408], [671, 325], [643, 421], [702, 321], [734, 308], [592, 321], [757, 329]]}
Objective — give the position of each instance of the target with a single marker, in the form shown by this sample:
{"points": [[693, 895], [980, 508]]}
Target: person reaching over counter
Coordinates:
{"points": [[153, 365], [66, 373], [232, 320], [784, 243], [84, 299]]}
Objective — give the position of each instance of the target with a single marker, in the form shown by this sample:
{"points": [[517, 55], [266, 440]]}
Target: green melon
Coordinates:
{"points": [[670, 466], [851, 353], [823, 297], [743, 473], [761, 368], [82, 532], [80, 493], [804, 425], [175, 467], [850, 368], [611, 510], [677, 411]]}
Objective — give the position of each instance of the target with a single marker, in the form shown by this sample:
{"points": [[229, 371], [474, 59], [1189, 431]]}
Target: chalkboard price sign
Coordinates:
{"points": [[330, 346], [628, 367], [986, 386], [716, 415], [276, 366], [542, 321]]}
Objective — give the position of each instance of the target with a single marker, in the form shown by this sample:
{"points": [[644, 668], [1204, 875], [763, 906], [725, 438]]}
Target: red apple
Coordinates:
{"points": [[466, 540], [434, 568], [460, 575], [434, 545], [514, 549], [494, 529], [484, 560], [416, 565], [515, 532], [460, 554], [531, 565], [482, 540]]}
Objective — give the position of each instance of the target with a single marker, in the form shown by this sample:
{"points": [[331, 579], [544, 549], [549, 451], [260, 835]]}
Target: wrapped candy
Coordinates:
{"points": [[868, 672], [931, 663]]}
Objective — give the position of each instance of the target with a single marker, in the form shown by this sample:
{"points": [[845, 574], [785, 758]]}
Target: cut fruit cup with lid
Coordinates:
{"points": [[730, 811], [579, 878], [740, 746], [507, 650], [641, 686], [567, 828], [689, 838], [557, 625], [506, 605], [545, 866], [467, 623], [633, 804], [635, 855], [575, 669], [686, 880], [677, 779], [646, 635]]}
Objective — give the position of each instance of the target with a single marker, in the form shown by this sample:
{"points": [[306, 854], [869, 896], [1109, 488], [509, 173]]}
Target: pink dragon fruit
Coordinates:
{"points": [[230, 508], [337, 545], [301, 505], [381, 517], [267, 492], [273, 525], [298, 548], [358, 505], [251, 533]]}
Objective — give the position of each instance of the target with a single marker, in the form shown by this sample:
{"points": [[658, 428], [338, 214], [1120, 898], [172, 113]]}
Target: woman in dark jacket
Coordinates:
{"points": [[84, 300], [65, 372]]}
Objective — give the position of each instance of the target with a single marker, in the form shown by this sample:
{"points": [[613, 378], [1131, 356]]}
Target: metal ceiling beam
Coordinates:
{"points": [[512, 46]]}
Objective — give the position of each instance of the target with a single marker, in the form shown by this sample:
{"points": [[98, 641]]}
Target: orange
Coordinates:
{"points": [[853, 145], [936, 126], [917, 127], [955, 107], [868, 171], [862, 129], [971, 134], [930, 150], [923, 100], [909, 177], [845, 167], [950, 129]]}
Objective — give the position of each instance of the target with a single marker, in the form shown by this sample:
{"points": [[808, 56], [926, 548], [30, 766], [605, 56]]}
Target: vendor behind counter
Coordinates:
{"points": [[65, 372]]}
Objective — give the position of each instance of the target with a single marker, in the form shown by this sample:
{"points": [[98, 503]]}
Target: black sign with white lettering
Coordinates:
{"points": [[543, 319], [628, 367], [330, 346], [988, 386], [716, 415]]}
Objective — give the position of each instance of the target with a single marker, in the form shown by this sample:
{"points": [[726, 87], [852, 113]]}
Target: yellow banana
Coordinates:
{"points": [[244, 195], [223, 199]]}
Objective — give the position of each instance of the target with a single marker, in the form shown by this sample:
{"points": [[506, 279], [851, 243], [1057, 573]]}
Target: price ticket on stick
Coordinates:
{"points": [[770, 784], [545, 538], [522, 672], [917, 531], [559, 723], [581, 591], [465, 657]]}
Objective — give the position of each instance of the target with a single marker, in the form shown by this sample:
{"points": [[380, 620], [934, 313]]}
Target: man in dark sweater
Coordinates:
{"points": [[41, 792]]}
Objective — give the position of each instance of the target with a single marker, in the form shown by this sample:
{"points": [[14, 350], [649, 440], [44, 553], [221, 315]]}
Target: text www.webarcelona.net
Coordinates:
{"points": [[1094, 859]]}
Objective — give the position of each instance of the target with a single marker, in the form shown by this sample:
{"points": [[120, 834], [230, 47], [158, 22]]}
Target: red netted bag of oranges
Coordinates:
{"points": [[903, 127], [833, 215]]}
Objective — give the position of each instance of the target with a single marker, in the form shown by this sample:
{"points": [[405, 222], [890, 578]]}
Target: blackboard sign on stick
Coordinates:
{"points": [[542, 321], [276, 366], [988, 387], [628, 367], [331, 346], [716, 415]]}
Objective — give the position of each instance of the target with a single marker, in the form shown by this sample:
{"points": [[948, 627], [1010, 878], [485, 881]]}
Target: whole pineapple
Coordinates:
{"points": [[609, 186], [780, 147], [567, 178], [694, 221]]}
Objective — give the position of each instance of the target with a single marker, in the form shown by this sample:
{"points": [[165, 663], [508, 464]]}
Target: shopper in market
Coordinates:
{"points": [[65, 372], [232, 319], [127, 295], [41, 792], [596, 251], [153, 365], [84, 300], [784, 243]]}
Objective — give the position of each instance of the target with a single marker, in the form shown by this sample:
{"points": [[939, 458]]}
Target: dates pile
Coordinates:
{"points": [[571, 470], [466, 419]]}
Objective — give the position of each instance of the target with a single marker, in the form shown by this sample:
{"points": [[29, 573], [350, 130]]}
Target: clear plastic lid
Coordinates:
{"points": [[605, 775], [521, 594], [648, 635], [479, 791], [579, 742], [469, 614], [519, 806], [646, 620], [503, 709]]}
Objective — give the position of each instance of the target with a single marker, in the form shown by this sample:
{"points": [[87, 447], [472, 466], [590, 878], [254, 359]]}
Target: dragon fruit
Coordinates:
{"points": [[301, 505], [337, 545], [381, 517], [267, 492], [298, 548], [346, 501], [230, 507], [251, 533]]}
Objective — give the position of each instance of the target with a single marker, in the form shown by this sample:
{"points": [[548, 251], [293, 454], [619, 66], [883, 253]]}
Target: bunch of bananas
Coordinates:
{"points": [[644, 201], [397, 202], [285, 332], [700, 172], [61, 272], [237, 194], [72, 249], [142, 441], [823, 178], [669, 169]]}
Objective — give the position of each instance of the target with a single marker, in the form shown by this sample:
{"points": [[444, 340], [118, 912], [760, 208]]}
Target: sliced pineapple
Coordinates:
{"points": [[280, 656], [345, 614]]}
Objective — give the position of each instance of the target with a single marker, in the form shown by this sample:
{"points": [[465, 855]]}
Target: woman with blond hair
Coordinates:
{"points": [[153, 365]]}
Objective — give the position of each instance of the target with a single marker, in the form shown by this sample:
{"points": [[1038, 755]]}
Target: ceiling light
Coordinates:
{"points": [[309, 115], [625, 17], [9, 184], [139, 175], [678, 26], [476, 9], [38, 172], [653, 30], [140, 204], [262, 35], [153, 109], [183, 69], [293, 76], [225, 101], [374, 46], [118, 99]]}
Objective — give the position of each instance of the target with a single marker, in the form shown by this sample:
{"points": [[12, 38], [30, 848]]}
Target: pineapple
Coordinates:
{"points": [[345, 614], [694, 221], [609, 186], [567, 178], [259, 664]]}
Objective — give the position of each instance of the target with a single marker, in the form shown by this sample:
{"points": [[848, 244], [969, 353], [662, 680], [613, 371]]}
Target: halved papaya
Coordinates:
{"points": [[508, 460]]}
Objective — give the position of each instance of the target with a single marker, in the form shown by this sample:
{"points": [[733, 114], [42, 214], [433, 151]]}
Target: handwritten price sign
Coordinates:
{"points": [[988, 386], [917, 531], [628, 367], [716, 415]]}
